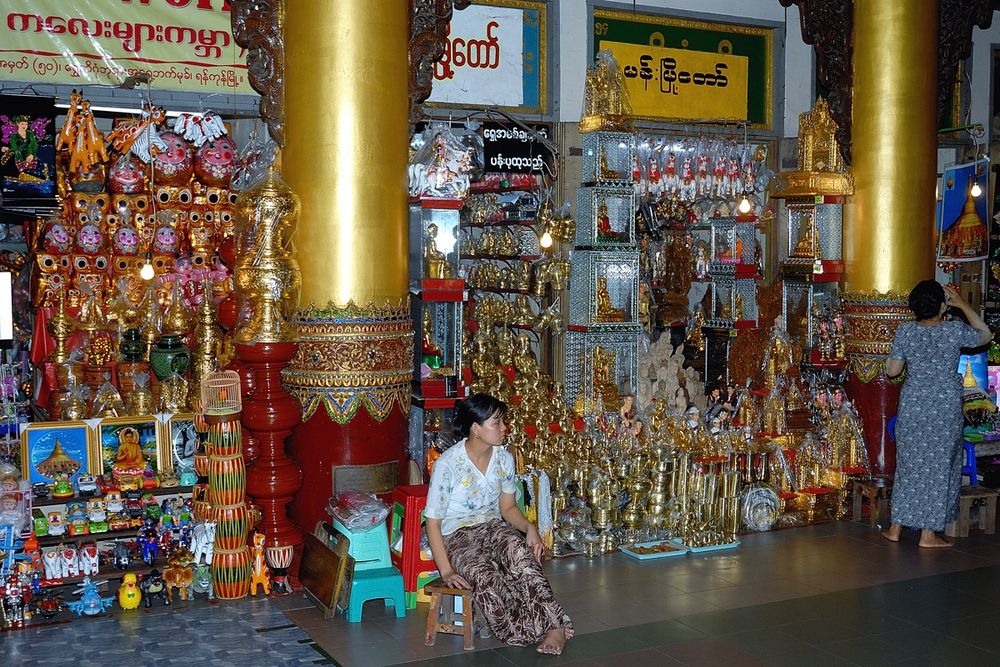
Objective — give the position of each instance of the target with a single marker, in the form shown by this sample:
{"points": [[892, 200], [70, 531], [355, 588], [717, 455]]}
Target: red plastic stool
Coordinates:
{"points": [[408, 504]]}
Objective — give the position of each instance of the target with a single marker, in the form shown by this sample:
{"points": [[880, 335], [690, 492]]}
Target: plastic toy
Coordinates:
{"points": [[121, 556], [41, 490], [40, 524], [87, 558], [56, 525], [203, 541], [15, 597], [113, 501], [129, 593], [148, 545], [62, 488], [48, 605], [152, 586], [259, 574], [202, 582], [179, 575], [70, 562], [90, 603], [87, 486], [52, 562]]}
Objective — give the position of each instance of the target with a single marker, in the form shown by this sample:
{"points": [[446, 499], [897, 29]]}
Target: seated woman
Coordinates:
{"points": [[473, 524]]}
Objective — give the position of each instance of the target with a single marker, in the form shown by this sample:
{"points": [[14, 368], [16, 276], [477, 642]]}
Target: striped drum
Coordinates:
{"points": [[227, 480], [199, 502], [201, 463], [231, 573], [280, 558], [226, 438], [232, 525]]}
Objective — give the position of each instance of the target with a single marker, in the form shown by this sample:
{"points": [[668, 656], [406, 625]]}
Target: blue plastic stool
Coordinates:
{"points": [[369, 549], [970, 463], [384, 583]]}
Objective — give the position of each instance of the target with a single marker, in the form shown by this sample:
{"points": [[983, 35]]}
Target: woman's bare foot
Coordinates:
{"points": [[554, 640], [930, 540], [892, 533]]}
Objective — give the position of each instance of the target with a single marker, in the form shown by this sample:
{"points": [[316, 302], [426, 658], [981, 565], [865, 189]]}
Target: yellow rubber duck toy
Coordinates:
{"points": [[129, 594]]}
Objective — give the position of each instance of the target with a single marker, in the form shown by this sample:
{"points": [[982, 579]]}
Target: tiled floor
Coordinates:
{"points": [[834, 594]]}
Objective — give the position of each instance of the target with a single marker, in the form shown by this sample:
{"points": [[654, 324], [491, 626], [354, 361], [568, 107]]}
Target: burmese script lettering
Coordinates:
{"points": [[477, 53], [207, 43], [500, 163], [670, 78], [181, 4], [502, 133]]}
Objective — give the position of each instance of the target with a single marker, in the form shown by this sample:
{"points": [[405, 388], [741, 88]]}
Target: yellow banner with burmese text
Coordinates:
{"points": [[178, 44], [678, 83]]}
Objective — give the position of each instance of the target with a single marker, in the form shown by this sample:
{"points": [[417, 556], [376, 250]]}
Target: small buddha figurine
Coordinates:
{"points": [[806, 247], [435, 263], [604, 230], [606, 312], [607, 173], [428, 347]]}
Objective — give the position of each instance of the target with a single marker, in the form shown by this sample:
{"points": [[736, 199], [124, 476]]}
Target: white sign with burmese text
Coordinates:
{"points": [[484, 58]]}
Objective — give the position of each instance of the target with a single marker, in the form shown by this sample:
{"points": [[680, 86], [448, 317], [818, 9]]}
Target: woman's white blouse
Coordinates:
{"points": [[460, 495]]}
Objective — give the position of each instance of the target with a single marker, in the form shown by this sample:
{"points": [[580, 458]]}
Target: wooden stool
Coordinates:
{"points": [[443, 619], [985, 518], [879, 494]]}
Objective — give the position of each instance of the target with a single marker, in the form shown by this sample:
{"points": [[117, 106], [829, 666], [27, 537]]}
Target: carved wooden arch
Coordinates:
{"points": [[257, 27], [829, 26]]}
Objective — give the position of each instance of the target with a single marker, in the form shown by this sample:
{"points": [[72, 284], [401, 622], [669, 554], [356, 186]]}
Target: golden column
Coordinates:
{"points": [[345, 154], [888, 224]]}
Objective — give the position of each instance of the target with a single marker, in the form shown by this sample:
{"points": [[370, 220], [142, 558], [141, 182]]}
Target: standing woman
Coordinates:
{"points": [[930, 421], [475, 531]]}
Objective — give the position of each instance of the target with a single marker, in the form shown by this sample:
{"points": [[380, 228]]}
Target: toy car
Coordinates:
{"points": [[41, 490], [87, 486], [40, 523], [108, 483], [56, 524], [98, 526], [113, 500], [119, 522], [79, 527], [129, 483]]}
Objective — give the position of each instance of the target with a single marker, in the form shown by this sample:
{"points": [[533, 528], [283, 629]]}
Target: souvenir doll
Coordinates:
{"points": [[670, 181], [175, 164], [90, 262], [720, 185], [214, 161], [54, 262], [127, 176]]}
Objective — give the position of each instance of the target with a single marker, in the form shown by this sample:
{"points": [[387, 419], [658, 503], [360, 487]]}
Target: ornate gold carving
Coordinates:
{"points": [[872, 319], [428, 24], [820, 167], [351, 357], [267, 275], [257, 27]]}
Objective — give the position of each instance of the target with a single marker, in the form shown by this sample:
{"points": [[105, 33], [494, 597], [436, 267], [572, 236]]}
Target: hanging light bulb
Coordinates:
{"points": [[546, 240], [745, 205], [975, 191], [146, 272]]}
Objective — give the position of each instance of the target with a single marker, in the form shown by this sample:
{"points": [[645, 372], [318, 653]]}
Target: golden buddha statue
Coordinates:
{"points": [[435, 262], [606, 312], [806, 247], [604, 374]]}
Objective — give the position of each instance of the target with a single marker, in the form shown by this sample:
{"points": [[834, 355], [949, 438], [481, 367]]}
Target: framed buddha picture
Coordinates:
{"points": [[130, 446], [180, 442]]}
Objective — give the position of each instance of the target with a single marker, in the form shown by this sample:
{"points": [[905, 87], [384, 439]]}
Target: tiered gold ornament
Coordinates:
{"points": [[606, 103], [267, 275]]}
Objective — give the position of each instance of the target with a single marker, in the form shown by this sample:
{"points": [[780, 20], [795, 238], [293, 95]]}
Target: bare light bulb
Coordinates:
{"points": [[146, 272], [546, 240], [745, 205], [976, 190]]}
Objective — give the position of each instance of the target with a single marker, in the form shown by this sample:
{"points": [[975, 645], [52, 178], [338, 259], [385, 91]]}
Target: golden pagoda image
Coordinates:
{"points": [[58, 462], [967, 237]]}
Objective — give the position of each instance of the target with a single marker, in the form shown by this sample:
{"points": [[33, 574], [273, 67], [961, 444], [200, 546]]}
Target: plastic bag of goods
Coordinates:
{"points": [[357, 511]]}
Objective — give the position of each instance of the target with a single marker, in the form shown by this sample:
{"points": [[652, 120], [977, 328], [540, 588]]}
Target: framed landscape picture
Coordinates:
{"points": [[49, 449]]}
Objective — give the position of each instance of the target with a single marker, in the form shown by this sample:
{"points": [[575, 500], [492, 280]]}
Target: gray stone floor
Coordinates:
{"points": [[833, 594]]}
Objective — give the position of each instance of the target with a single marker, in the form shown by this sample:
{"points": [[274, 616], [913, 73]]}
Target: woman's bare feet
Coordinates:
{"points": [[554, 640], [892, 533], [930, 540]]}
